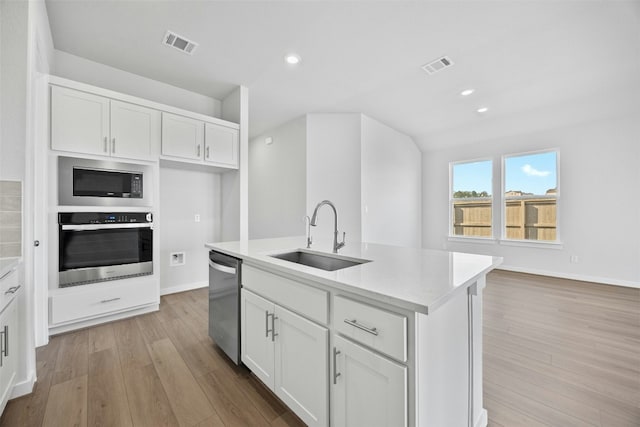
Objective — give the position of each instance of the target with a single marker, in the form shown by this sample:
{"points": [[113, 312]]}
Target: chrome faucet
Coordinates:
{"points": [[314, 220], [307, 222]]}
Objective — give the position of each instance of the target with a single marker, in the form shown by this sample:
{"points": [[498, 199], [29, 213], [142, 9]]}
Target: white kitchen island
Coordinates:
{"points": [[396, 341]]}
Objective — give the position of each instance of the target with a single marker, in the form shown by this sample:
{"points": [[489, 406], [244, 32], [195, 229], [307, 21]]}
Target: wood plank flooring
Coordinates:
{"points": [[158, 369], [557, 353], [560, 352]]}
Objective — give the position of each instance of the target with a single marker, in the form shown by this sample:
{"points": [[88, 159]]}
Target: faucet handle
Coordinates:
{"points": [[344, 237]]}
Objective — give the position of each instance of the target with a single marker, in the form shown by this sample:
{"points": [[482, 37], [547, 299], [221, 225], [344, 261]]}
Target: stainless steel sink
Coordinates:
{"points": [[323, 262]]}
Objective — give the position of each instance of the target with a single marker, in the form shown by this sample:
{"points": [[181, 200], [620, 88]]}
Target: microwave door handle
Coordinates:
{"points": [[85, 227]]}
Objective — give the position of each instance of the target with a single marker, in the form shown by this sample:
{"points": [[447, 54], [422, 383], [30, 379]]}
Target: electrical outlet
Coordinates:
{"points": [[574, 259], [196, 218]]}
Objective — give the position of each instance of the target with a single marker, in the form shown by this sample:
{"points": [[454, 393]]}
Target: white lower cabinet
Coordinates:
{"points": [[289, 354], [368, 389], [8, 350]]}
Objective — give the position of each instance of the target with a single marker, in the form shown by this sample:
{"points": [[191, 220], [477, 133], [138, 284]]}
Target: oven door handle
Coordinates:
{"points": [[85, 227]]}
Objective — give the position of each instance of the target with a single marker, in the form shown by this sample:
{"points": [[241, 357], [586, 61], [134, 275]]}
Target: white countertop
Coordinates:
{"points": [[417, 279], [7, 264]]}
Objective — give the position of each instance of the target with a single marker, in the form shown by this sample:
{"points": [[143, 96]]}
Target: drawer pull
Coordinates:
{"points": [[110, 300], [12, 290], [354, 322]]}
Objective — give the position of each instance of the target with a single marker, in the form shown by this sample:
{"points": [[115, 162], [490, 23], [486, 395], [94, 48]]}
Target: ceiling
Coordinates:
{"points": [[521, 57]]}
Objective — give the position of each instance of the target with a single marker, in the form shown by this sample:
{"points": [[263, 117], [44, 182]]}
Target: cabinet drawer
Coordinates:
{"points": [[9, 286], [71, 306], [312, 303], [379, 329]]}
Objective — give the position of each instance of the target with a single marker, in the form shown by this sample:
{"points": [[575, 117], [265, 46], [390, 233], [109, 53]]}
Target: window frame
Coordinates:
{"points": [[479, 239], [557, 243]]}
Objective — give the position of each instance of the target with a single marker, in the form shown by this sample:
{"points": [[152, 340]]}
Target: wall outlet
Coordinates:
{"points": [[574, 259], [177, 258], [196, 218]]}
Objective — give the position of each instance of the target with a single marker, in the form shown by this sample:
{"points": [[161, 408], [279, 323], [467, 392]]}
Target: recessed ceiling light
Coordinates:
{"points": [[482, 110], [467, 92], [292, 59]]}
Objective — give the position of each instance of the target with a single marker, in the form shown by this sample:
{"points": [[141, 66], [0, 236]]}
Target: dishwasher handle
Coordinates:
{"points": [[222, 268]]}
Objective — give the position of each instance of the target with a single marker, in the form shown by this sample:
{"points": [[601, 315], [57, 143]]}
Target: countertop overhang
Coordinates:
{"points": [[419, 280]]}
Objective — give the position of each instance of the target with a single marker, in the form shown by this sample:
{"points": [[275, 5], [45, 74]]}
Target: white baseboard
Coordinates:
{"points": [[182, 288], [483, 419], [579, 277], [24, 387]]}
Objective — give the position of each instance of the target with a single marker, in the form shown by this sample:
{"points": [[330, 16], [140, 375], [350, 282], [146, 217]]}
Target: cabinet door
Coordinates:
{"points": [[368, 389], [257, 336], [182, 137], [9, 347], [135, 131], [221, 145], [301, 367], [79, 121]]}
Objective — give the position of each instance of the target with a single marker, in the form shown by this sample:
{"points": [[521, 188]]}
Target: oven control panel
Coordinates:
{"points": [[77, 218]]}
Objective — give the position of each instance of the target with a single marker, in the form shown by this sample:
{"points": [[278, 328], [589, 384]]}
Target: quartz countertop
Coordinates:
{"points": [[7, 264], [420, 280]]}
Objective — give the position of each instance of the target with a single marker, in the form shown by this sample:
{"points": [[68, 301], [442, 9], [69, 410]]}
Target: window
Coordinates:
{"points": [[530, 189], [471, 201]]}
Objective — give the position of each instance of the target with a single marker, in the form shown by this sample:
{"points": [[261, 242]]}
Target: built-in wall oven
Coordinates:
{"points": [[98, 246]]}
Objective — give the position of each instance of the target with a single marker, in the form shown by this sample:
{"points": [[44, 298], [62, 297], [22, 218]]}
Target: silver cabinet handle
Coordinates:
{"points": [[106, 146], [104, 301], [354, 322], [6, 341], [113, 145], [2, 341], [198, 150], [266, 324], [336, 374], [12, 290], [207, 153], [273, 327]]}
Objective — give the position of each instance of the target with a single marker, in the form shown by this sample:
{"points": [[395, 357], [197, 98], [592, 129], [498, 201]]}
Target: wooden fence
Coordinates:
{"points": [[527, 217]]}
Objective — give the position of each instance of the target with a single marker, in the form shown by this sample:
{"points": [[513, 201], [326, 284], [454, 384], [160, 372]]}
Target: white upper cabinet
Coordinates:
{"points": [[91, 124], [182, 137], [135, 131], [79, 121], [221, 145]]}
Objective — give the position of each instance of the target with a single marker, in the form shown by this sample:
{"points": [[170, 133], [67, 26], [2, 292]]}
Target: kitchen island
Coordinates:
{"points": [[394, 340]]}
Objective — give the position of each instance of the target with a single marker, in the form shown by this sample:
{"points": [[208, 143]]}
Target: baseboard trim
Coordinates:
{"points": [[579, 277], [182, 288], [24, 387], [483, 419]]}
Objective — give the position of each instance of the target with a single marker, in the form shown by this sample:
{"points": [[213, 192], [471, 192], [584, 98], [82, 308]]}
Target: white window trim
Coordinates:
{"points": [[555, 244], [453, 237]]}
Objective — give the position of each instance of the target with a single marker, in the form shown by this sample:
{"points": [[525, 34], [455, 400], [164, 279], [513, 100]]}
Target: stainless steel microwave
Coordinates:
{"points": [[84, 182]]}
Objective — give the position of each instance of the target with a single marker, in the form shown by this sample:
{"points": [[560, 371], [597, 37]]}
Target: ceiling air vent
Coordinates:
{"points": [[179, 42], [437, 65]]}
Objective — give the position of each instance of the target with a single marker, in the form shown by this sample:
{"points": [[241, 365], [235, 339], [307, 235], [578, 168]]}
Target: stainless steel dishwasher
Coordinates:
{"points": [[224, 303]]}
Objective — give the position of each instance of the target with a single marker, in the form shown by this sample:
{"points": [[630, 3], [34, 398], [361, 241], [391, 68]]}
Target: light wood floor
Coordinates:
{"points": [[159, 369], [557, 353], [560, 353]]}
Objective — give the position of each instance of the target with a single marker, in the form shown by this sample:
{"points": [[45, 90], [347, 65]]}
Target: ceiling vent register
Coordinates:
{"points": [[179, 42], [437, 65]]}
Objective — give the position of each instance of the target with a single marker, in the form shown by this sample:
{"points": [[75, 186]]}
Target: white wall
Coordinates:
{"points": [[333, 173], [277, 182], [391, 186], [83, 70], [184, 193], [599, 204]]}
